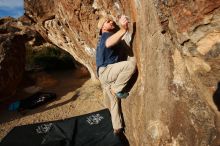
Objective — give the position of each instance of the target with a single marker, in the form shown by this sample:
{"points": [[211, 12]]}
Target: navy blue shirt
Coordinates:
{"points": [[105, 56]]}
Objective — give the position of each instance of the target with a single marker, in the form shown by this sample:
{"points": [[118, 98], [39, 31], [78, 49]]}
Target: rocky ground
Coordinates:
{"points": [[77, 95]]}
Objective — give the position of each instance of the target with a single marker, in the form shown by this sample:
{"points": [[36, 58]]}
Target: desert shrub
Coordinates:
{"points": [[49, 58]]}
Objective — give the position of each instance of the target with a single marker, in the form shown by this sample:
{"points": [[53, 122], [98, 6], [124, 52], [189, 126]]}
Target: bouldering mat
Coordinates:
{"points": [[93, 129]]}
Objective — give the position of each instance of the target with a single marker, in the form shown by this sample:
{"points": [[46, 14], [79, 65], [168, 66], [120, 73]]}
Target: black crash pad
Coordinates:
{"points": [[94, 129]]}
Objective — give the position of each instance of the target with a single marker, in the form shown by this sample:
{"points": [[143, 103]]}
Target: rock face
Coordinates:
{"points": [[12, 55], [176, 45], [14, 33]]}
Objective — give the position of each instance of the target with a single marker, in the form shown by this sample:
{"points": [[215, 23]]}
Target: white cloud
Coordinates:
{"points": [[11, 3]]}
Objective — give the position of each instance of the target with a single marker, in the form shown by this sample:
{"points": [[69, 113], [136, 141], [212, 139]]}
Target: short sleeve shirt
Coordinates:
{"points": [[105, 56]]}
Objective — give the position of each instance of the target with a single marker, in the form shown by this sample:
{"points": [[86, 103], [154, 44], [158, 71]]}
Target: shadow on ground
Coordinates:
{"points": [[61, 83]]}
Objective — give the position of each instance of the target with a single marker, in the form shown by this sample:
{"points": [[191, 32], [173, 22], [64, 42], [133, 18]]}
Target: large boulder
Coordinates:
{"points": [[13, 36], [12, 57], [176, 45]]}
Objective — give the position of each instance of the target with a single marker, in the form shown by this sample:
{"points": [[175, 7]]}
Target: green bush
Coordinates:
{"points": [[49, 58]]}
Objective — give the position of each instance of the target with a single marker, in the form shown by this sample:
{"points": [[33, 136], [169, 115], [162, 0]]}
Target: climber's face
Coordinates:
{"points": [[108, 26]]}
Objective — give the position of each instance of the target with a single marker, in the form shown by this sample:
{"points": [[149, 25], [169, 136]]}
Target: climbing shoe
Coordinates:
{"points": [[122, 94]]}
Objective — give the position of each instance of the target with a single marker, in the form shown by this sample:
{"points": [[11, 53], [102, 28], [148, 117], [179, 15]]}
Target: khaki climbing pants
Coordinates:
{"points": [[115, 77]]}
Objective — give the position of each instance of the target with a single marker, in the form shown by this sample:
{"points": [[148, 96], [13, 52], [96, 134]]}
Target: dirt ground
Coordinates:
{"points": [[76, 93]]}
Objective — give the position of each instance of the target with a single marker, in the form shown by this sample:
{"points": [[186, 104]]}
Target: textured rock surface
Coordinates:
{"points": [[176, 44], [12, 54]]}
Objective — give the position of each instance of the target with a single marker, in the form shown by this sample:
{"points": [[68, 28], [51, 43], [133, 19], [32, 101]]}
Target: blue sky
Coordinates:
{"points": [[13, 8]]}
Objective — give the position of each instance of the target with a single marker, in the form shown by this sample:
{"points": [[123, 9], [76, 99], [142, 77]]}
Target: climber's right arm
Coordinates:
{"points": [[116, 37]]}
